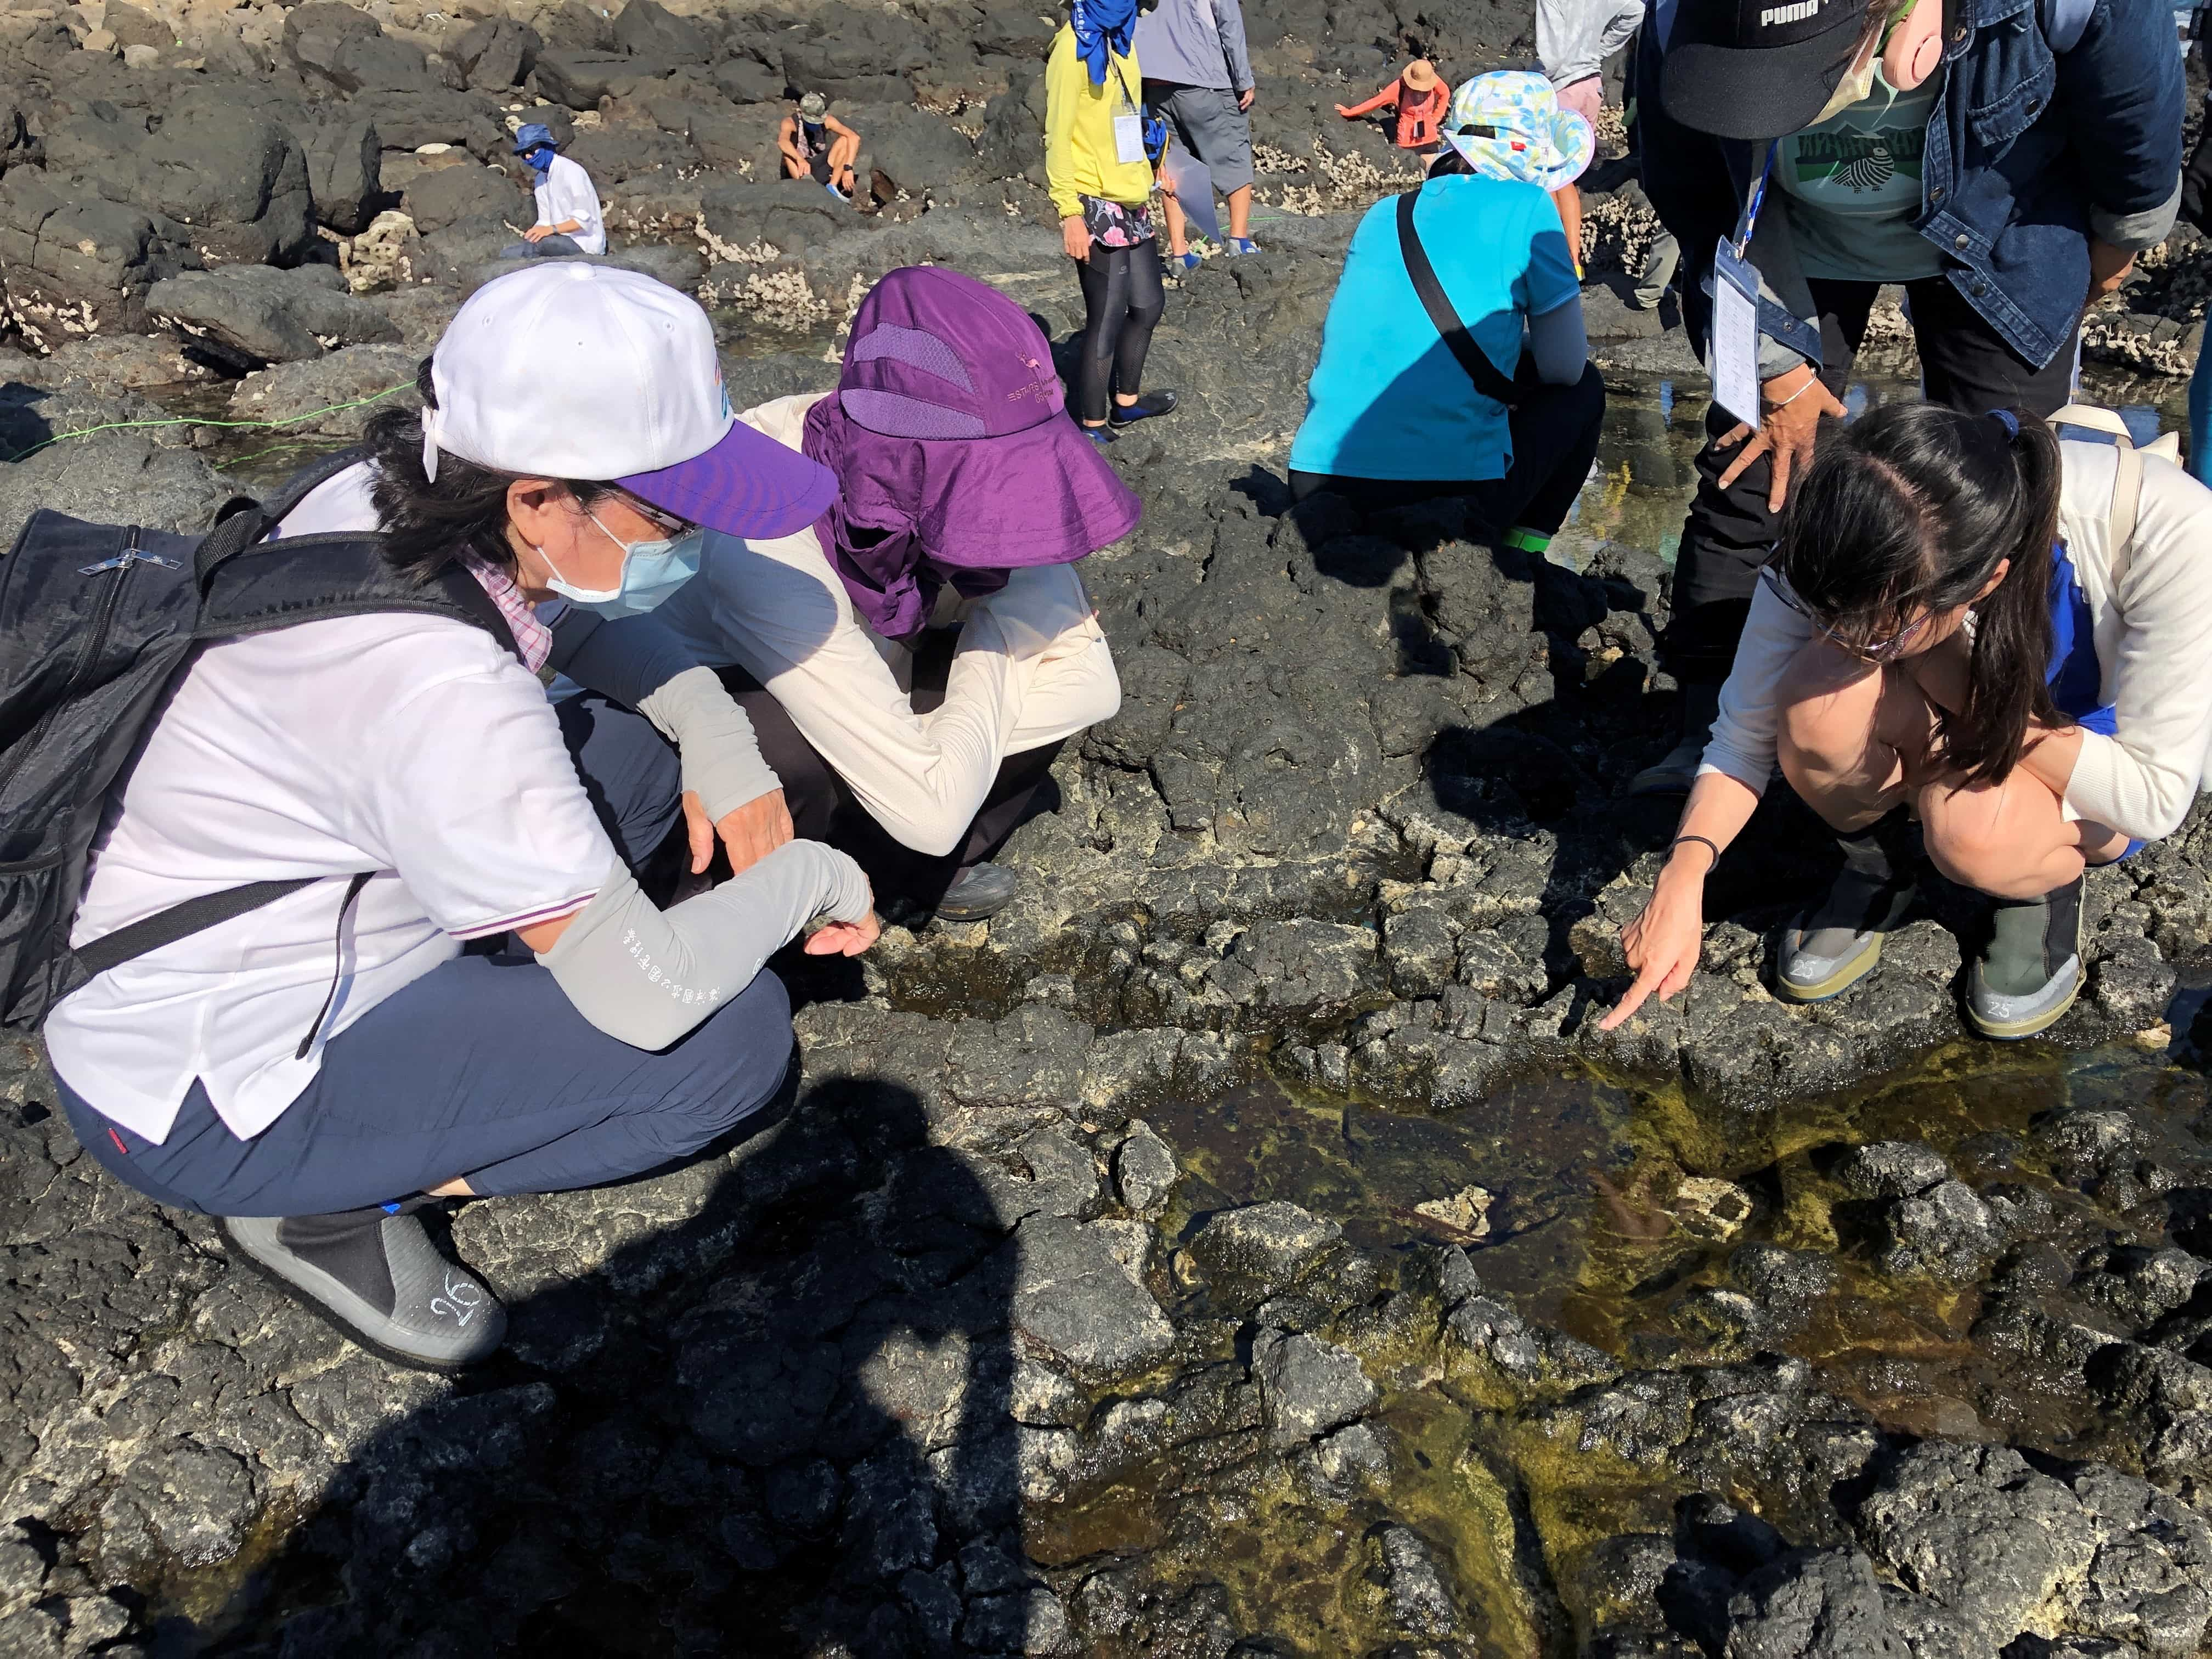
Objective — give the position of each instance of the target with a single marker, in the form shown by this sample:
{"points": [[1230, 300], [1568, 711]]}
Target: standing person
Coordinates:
{"points": [[2063, 729], [1102, 186], [568, 220], [1420, 98], [315, 1070], [815, 144], [1389, 396], [2005, 173], [1573, 40], [1202, 81], [964, 496]]}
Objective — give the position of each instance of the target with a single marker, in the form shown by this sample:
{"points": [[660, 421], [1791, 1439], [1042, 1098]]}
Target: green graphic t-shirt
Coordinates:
{"points": [[1852, 186]]}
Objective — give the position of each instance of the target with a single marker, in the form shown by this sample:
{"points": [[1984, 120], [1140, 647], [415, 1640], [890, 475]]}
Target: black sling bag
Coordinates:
{"points": [[1488, 379]]}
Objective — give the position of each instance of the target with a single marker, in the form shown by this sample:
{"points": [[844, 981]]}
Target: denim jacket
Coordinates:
{"points": [[2030, 152]]}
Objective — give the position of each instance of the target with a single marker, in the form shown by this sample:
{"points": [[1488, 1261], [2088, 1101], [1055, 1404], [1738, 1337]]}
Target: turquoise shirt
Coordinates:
{"points": [[1387, 400]]}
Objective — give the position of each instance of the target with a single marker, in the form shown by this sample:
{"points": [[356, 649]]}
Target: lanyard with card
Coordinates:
{"points": [[1734, 352], [1129, 124]]}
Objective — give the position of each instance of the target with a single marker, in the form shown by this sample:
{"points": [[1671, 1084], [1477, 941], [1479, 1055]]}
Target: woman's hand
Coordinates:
{"points": [[844, 938], [537, 233], [751, 832], [2108, 268], [1794, 403], [1663, 943], [1075, 237]]}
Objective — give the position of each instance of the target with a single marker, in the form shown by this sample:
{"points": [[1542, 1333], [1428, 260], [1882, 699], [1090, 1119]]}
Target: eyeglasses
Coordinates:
{"points": [[675, 528], [1884, 651]]}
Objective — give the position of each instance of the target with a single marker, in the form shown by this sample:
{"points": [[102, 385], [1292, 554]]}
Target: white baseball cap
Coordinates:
{"points": [[570, 370]]}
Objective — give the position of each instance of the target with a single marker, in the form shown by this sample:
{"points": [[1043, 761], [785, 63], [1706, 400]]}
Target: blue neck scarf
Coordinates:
{"points": [[1101, 26]]}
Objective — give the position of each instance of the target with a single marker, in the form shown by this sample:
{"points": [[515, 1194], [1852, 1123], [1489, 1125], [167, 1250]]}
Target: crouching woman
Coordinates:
{"points": [[1946, 632], [310, 1071]]}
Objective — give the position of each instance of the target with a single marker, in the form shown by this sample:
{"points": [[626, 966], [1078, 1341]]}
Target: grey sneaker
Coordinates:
{"points": [[380, 1280], [1837, 943], [2030, 972], [981, 890], [1674, 772]]}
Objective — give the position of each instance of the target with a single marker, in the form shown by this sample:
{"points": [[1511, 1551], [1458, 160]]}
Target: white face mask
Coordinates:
{"points": [[651, 571]]}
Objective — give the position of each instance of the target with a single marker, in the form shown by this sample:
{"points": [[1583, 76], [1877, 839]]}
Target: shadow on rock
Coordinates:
{"points": [[760, 1404]]}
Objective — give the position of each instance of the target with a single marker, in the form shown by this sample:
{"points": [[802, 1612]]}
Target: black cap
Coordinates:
{"points": [[1756, 69]]}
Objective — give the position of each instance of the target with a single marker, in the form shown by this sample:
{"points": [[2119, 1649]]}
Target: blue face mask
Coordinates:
{"points": [[541, 159], [651, 571]]}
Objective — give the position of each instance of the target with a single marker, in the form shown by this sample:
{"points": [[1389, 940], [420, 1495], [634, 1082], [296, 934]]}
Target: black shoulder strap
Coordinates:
{"points": [[1489, 380], [307, 480], [250, 586], [181, 921], [349, 578]]}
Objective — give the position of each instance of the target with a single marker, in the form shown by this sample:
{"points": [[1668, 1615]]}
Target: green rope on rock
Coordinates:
{"points": [[193, 420]]}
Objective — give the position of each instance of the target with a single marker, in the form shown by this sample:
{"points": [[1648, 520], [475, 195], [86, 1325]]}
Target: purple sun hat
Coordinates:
{"points": [[993, 473]]}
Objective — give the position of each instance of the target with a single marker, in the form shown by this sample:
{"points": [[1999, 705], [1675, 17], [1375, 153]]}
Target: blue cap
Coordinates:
{"points": [[532, 136]]}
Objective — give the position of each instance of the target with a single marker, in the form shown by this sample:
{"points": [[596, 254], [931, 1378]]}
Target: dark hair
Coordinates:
{"points": [[430, 526], [1911, 508], [1448, 161]]}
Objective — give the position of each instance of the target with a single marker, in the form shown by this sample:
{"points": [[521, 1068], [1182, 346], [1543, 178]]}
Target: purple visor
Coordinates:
{"points": [[747, 485]]}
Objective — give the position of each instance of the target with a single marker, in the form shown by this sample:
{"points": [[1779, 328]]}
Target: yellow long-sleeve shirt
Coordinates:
{"points": [[1079, 130]]}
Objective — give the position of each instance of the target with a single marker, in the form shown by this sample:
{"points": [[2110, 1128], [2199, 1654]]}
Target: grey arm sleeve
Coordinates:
{"points": [[646, 977], [1558, 344], [713, 738]]}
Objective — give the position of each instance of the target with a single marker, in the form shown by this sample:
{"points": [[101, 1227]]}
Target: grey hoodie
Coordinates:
{"points": [[1575, 37], [1194, 43]]}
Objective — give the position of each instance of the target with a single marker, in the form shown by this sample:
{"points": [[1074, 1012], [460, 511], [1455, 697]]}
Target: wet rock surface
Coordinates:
{"points": [[1246, 1243]]}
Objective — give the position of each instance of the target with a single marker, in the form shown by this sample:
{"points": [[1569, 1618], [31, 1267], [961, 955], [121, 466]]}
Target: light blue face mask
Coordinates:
{"points": [[651, 571]]}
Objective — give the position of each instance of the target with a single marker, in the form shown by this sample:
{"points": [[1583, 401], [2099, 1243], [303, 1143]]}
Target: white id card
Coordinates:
{"points": [[1734, 357], [1129, 137]]}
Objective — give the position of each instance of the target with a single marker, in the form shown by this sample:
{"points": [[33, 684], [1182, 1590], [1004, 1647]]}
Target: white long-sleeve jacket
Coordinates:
{"points": [[565, 193], [2151, 632]]}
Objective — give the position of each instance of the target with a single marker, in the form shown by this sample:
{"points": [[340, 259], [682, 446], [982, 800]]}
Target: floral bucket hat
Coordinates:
{"points": [[1509, 125]]}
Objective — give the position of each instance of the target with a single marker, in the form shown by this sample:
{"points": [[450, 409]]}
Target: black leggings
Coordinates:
{"points": [[1555, 430], [1121, 302]]}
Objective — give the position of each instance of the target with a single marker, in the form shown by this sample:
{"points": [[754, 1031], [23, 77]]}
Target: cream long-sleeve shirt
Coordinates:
{"points": [[2150, 629], [1032, 668]]}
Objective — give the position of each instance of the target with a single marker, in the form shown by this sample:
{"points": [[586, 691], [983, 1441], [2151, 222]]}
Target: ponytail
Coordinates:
{"points": [[1912, 509], [2010, 684]]}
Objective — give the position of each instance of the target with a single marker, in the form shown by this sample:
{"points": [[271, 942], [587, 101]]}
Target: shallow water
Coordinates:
{"points": [[1645, 475], [1582, 1218]]}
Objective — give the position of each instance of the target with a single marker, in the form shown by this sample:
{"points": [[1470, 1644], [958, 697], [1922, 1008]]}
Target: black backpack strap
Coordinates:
{"points": [[307, 480], [248, 586], [181, 921], [1489, 380]]}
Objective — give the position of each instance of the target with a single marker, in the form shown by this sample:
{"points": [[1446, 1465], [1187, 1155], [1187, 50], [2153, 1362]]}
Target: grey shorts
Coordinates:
{"points": [[1210, 126]]}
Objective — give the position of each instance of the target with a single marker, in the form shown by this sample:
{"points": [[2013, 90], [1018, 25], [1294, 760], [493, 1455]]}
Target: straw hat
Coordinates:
{"points": [[1420, 75]]}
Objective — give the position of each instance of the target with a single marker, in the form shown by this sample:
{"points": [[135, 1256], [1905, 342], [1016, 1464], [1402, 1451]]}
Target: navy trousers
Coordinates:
{"points": [[482, 1068]]}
